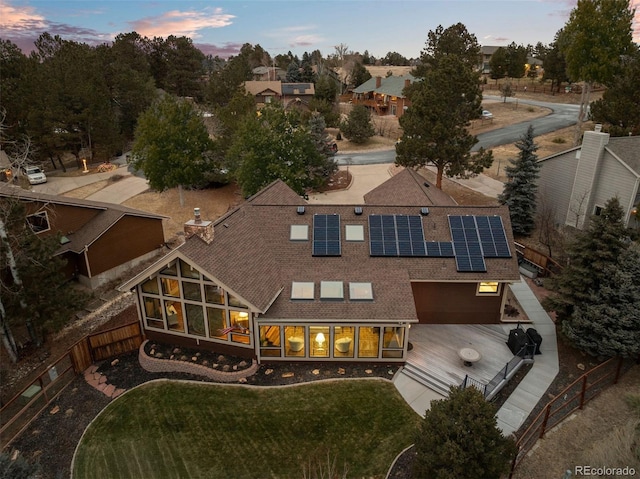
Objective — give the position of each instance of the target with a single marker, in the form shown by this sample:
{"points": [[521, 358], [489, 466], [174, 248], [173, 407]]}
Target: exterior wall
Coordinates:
{"points": [[555, 184], [65, 219], [96, 281], [591, 151], [456, 303], [130, 238], [614, 179]]}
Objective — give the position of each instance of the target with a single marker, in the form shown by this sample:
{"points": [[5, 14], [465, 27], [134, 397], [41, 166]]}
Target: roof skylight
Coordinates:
{"points": [[302, 290], [331, 290], [299, 233], [354, 232], [360, 291]]}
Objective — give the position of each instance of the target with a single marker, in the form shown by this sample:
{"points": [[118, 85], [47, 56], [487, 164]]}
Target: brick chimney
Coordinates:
{"points": [[198, 227], [407, 82], [378, 82]]}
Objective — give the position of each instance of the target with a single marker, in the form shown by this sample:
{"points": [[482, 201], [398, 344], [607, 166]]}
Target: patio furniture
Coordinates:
{"points": [[469, 356]]}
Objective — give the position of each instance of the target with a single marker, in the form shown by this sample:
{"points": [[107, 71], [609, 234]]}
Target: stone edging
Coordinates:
{"points": [[154, 365]]}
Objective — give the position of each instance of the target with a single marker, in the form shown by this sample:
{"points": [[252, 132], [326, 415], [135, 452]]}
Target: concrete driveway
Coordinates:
{"points": [[365, 178]]}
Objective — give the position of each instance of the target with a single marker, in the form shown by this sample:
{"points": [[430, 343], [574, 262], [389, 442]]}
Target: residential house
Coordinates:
{"points": [[279, 279], [384, 96], [486, 52], [297, 95], [578, 182], [100, 241], [290, 94], [262, 73], [264, 92]]}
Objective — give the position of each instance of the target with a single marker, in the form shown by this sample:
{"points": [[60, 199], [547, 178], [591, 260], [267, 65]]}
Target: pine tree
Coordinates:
{"points": [[459, 437], [324, 143], [521, 187], [358, 127], [591, 255], [610, 324]]}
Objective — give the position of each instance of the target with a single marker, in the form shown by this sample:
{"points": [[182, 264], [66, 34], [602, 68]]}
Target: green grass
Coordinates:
{"points": [[183, 430]]}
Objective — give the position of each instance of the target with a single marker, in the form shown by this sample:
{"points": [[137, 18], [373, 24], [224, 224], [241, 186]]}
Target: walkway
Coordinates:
{"points": [[533, 386]]}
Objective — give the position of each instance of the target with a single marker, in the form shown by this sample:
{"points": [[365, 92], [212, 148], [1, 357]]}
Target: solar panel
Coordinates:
{"points": [[399, 235], [326, 235], [439, 249], [499, 237], [466, 244]]}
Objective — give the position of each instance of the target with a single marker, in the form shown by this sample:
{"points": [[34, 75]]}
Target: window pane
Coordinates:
{"points": [[187, 271], [155, 323], [152, 308], [240, 320], [368, 341], [170, 287], [319, 341], [235, 302], [217, 323], [331, 290], [170, 270], [191, 291], [360, 291], [354, 232], [343, 341], [213, 294], [195, 319], [488, 287], [173, 310], [294, 338], [38, 222], [151, 286], [393, 338], [302, 290], [270, 336]]}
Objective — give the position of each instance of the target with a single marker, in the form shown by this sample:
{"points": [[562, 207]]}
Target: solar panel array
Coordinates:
{"points": [[396, 235], [326, 235], [439, 249], [476, 238]]}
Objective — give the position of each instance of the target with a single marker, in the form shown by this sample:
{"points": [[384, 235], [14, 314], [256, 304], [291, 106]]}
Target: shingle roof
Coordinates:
{"points": [[627, 148], [408, 188], [259, 87], [298, 89], [252, 255], [392, 85], [109, 214]]}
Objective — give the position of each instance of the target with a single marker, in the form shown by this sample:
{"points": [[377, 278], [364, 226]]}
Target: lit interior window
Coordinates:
{"points": [[299, 233], [488, 287], [360, 291], [331, 290], [354, 232], [302, 290]]}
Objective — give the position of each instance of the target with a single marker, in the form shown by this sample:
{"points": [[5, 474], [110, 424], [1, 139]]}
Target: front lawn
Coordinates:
{"points": [[185, 430]]}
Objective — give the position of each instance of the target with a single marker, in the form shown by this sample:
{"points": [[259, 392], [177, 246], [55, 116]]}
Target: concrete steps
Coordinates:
{"points": [[430, 379]]}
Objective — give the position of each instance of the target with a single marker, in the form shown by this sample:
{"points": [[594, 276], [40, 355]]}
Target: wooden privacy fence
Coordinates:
{"points": [[572, 398], [546, 265], [16, 415]]}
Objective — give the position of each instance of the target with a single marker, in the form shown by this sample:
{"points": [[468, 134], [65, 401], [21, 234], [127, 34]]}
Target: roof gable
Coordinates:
{"points": [[408, 187]]}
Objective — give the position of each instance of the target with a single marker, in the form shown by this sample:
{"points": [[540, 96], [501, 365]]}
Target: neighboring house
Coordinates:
{"points": [[384, 95], [268, 73], [486, 53], [264, 92], [290, 94], [578, 182], [279, 279], [297, 95], [100, 241]]}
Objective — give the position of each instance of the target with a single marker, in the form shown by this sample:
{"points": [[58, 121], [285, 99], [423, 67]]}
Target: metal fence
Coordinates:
{"points": [[28, 403], [572, 398]]}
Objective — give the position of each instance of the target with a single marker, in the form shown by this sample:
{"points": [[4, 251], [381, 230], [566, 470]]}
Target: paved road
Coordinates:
{"points": [[561, 116]]}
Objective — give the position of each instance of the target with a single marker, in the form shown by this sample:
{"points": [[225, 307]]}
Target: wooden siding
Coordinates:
{"points": [[130, 238], [65, 219], [168, 338], [555, 184], [455, 303]]}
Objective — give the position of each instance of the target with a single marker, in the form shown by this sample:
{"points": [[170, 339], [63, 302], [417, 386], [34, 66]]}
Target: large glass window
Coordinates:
{"points": [[195, 319], [319, 341], [489, 288], [153, 312], [173, 310], [170, 270], [270, 341], [213, 294], [368, 341], [170, 287], [343, 338], [38, 222], [393, 342], [217, 323], [235, 302], [188, 271], [151, 286], [294, 341], [191, 291]]}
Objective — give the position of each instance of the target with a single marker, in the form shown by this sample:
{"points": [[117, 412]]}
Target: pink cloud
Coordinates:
{"points": [[223, 51], [19, 19], [179, 23]]}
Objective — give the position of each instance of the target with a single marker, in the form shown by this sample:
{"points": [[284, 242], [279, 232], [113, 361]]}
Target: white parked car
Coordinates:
{"points": [[487, 115], [35, 175]]}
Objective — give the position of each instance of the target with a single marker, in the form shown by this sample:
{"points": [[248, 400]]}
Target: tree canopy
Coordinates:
{"points": [[275, 145], [442, 106], [591, 255], [172, 145], [358, 128], [459, 437], [520, 190]]}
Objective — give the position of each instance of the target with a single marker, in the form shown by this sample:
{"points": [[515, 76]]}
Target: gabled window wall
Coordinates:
{"points": [[180, 300]]}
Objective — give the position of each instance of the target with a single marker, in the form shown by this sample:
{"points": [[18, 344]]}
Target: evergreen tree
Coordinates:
{"points": [[591, 255], [609, 325], [293, 73], [172, 145], [358, 127], [274, 145], [459, 437], [521, 187], [498, 64], [359, 74], [324, 143]]}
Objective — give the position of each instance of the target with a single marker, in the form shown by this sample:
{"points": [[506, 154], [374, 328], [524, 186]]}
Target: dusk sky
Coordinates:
{"points": [[279, 26]]}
